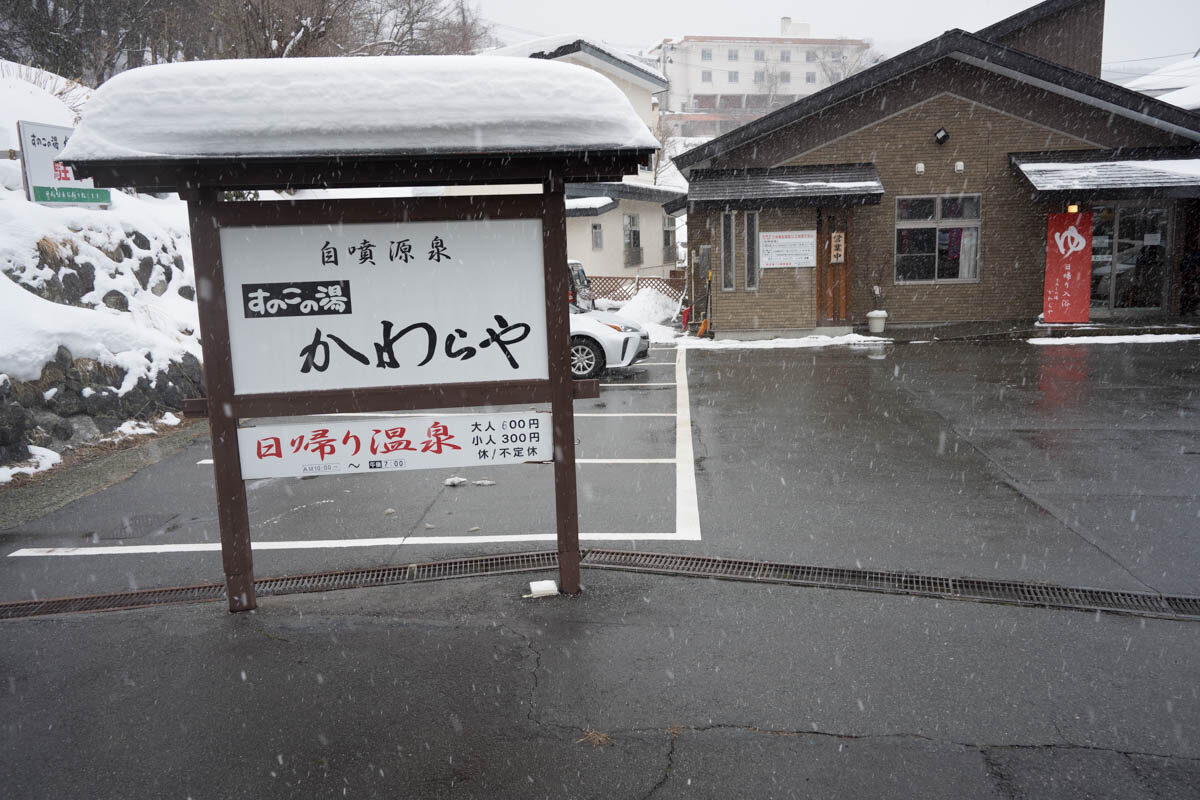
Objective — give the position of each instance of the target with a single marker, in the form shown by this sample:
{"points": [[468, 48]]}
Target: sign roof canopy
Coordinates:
{"points": [[399, 120]]}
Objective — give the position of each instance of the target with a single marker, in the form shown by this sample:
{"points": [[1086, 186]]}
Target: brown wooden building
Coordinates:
{"points": [[931, 176]]}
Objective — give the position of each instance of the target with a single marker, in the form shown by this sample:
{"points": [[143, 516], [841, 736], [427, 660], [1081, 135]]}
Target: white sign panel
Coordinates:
{"points": [[787, 249], [357, 445], [346, 306], [46, 179]]}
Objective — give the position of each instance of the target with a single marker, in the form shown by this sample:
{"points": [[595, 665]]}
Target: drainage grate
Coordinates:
{"points": [[294, 584], [1010, 592], [113, 602]]}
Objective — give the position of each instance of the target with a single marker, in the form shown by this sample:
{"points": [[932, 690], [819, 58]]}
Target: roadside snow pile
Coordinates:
{"points": [[650, 308], [400, 104], [773, 344], [1139, 338]]}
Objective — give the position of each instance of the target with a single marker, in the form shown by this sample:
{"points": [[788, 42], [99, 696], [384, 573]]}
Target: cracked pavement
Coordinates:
{"points": [[701, 688]]}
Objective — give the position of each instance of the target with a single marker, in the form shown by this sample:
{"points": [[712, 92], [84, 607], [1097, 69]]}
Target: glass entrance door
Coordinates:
{"points": [[1129, 257]]}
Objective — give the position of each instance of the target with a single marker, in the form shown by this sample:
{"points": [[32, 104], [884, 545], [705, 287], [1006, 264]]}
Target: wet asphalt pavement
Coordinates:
{"points": [[1073, 464]]}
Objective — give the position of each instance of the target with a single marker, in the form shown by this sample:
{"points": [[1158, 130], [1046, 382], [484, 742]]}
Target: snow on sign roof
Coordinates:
{"points": [[1078, 176], [398, 105]]}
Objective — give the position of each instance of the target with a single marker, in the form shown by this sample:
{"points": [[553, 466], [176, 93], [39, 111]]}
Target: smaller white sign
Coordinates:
{"points": [[47, 180], [1152, 238], [382, 444], [787, 249]]}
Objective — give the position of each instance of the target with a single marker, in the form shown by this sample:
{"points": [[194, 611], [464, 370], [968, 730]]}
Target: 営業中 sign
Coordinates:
{"points": [[784, 249], [1067, 296], [343, 446], [48, 180], [345, 306]]}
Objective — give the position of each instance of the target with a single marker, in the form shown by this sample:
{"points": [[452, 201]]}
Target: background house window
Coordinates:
{"points": [[785, 76], [937, 238], [751, 226], [810, 56], [597, 236], [760, 76], [733, 76], [706, 76], [670, 252], [760, 55], [733, 54], [633, 240], [706, 54], [810, 77], [785, 55], [728, 277]]}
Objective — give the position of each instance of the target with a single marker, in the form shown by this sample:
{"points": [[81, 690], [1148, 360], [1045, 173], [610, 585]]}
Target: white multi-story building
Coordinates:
{"points": [[720, 82]]}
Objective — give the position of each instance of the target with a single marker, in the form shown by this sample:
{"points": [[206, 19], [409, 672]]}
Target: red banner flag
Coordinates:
{"points": [[1068, 268]]}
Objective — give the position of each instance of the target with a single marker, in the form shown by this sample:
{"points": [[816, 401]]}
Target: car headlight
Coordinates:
{"points": [[621, 328]]}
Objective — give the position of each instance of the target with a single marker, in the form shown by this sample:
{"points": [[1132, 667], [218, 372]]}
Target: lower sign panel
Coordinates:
{"points": [[341, 447]]}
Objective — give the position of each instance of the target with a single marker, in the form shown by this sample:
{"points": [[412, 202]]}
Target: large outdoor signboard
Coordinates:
{"points": [[1068, 268], [787, 249], [346, 306], [48, 180], [344, 446]]}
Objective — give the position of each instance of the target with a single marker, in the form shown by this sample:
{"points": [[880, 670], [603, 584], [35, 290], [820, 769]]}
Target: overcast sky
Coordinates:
{"points": [[1134, 29]]}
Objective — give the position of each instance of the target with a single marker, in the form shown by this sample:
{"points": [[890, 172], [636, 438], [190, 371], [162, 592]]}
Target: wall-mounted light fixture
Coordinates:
{"points": [[942, 136], [1073, 208], [920, 167], [959, 166]]}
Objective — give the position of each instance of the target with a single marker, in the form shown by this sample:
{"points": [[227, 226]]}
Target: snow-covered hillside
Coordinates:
{"points": [[99, 315]]}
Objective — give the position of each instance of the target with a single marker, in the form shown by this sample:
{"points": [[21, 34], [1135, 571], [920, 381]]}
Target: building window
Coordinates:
{"points": [[760, 55], [706, 54], [670, 252], [937, 238], [633, 240], [733, 54], [760, 77], [706, 76], [785, 76], [728, 279], [835, 55], [810, 56], [785, 56], [597, 236], [733, 76], [751, 245], [810, 77]]}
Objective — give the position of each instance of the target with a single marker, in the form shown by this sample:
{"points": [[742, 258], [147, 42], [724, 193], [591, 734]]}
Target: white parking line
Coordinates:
{"points": [[687, 510]]}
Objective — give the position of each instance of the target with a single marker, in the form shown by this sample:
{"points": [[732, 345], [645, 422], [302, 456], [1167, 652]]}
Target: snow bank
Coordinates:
{"points": [[322, 106], [32, 329], [649, 306], [773, 344], [21, 100], [1140, 338]]}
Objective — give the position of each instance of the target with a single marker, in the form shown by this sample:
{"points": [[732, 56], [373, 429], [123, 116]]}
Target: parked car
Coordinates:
{"points": [[579, 291], [600, 340]]}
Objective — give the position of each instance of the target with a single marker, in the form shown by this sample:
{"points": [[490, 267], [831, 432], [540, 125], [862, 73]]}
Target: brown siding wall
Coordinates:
{"points": [[1073, 38], [785, 299], [1012, 228]]}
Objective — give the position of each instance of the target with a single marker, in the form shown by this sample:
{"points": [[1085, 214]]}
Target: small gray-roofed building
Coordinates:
{"points": [[955, 229]]}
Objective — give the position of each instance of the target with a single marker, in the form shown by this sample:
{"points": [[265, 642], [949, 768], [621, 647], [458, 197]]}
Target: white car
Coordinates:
{"points": [[600, 340]]}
